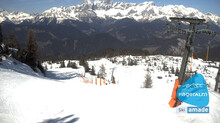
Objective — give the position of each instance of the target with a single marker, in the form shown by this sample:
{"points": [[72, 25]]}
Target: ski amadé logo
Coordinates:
{"points": [[194, 92]]}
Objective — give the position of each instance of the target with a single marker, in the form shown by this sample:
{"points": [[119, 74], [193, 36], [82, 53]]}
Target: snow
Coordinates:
{"points": [[27, 97], [15, 17], [87, 1]]}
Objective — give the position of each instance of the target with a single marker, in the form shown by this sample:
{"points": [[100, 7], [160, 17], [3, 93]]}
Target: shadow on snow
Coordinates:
{"points": [[61, 76], [66, 119]]}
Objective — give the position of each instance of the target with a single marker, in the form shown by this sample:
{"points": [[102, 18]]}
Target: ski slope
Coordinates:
{"points": [[63, 97]]}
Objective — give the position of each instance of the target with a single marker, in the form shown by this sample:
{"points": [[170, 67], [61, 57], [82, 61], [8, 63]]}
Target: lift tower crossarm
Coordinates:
{"points": [[189, 20]]}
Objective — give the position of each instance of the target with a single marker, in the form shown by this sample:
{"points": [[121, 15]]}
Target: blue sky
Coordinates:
{"points": [[37, 6]]}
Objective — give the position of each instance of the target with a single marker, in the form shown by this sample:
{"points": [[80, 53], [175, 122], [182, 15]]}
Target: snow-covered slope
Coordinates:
{"points": [[16, 66], [146, 11], [63, 97], [22, 94]]}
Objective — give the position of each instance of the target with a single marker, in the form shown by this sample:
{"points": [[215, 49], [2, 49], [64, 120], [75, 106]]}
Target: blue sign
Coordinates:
{"points": [[194, 91]]}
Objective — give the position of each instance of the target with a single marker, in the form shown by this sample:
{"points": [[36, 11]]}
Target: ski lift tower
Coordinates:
{"points": [[190, 37], [217, 80]]}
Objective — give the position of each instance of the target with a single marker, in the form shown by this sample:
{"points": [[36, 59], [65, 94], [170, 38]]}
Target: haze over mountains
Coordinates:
{"points": [[92, 26]]}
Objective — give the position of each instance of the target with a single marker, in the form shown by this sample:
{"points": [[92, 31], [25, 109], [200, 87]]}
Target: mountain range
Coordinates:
{"points": [[92, 26]]}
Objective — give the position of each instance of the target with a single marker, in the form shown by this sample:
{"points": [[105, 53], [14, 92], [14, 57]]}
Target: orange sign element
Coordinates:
{"points": [[85, 81], [104, 81], [173, 100], [100, 81]]}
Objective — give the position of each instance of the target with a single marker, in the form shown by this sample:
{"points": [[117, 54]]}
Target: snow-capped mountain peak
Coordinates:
{"points": [[146, 11], [109, 1], [14, 17], [87, 1]]}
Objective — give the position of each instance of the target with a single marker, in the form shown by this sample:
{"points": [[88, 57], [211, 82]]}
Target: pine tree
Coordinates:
{"points": [[73, 65], [32, 49], [148, 81], [93, 71], [41, 68], [84, 63], [69, 64], [135, 62], [102, 73], [86, 66], [113, 80], [177, 72], [130, 62], [62, 64], [45, 67], [115, 60], [124, 62], [81, 61], [165, 68], [12, 41], [172, 70]]}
